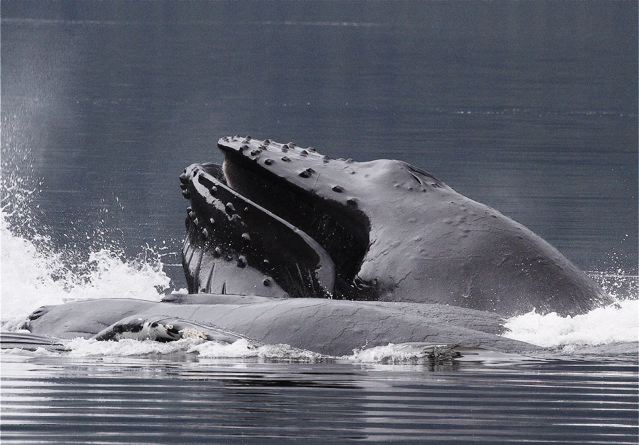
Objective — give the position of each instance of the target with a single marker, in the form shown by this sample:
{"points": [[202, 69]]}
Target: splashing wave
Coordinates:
{"points": [[35, 275], [618, 322], [34, 272]]}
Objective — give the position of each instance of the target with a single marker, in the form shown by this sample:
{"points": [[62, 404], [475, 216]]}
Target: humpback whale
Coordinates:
{"points": [[281, 220], [284, 245]]}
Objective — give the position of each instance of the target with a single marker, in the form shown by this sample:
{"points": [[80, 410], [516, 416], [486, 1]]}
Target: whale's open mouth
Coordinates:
{"points": [[273, 221]]}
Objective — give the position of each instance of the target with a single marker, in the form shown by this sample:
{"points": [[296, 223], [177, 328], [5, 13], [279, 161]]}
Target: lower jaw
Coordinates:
{"points": [[235, 247], [210, 271]]}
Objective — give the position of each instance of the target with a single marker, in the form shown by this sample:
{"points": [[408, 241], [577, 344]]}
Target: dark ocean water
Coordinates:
{"points": [[167, 401], [530, 107]]}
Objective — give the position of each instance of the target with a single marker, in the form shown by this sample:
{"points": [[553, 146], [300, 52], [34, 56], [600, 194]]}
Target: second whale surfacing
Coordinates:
{"points": [[330, 327], [285, 245]]}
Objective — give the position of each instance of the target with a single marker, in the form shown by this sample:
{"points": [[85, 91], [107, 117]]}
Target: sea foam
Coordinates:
{"points": [[34, 274], [617, 322]]}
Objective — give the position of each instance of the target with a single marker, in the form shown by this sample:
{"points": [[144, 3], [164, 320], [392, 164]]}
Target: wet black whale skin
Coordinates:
{"points": [[409, 236]]}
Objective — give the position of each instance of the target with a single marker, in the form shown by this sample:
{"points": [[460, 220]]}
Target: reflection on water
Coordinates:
{"points": [[161, 400]]}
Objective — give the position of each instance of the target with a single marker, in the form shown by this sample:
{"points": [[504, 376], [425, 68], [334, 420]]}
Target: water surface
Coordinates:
{"points": [[167, 401]]}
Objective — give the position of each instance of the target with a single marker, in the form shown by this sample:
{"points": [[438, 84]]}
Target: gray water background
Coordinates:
{"points": [[530, 107]]}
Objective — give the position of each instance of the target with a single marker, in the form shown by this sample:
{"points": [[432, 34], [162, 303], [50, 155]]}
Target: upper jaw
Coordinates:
{"points": [[299, 167], [257, 149]]}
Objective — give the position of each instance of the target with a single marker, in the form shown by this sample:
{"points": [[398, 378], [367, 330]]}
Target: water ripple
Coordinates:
{"points": [[90, 400]]}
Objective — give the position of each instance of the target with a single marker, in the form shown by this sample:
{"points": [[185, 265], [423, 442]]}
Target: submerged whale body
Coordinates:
{"points": [[331, 327], [285, 245]]}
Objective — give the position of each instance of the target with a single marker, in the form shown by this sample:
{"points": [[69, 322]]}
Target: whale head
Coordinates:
{"points": [[281, 220]]}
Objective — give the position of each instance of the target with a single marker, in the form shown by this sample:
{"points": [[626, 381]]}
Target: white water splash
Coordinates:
{"points": [[618, 322], [34, 275], [81, 347], [241, 349], [245, 349], [614, 323], [391, 354]]}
